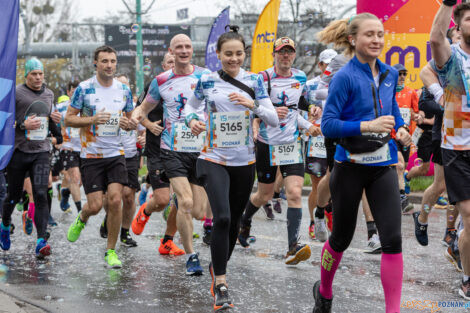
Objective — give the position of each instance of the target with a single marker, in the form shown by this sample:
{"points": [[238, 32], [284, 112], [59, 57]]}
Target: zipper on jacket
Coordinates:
{"points": [[381, 79]]}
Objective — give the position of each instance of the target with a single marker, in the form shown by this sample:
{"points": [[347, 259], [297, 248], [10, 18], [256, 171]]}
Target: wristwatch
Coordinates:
{"points": [[405, 127], [22, 126], [256, 104]]}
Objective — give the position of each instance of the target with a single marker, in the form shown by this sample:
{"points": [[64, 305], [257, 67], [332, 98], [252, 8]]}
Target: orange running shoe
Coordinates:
{"points": [[169, 248], [139, 221]]}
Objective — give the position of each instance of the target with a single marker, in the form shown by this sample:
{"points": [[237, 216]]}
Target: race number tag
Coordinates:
{"points": [[183, 140], [74, 132], [416, 135], [41, 132], [405, 115], [229, 129], [110, 128], [286, 154], [316, 147], [125, 133], [380, 155]]}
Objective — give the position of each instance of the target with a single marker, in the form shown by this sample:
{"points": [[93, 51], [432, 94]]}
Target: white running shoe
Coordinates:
{"points": [[373, 245], [321, 232]]}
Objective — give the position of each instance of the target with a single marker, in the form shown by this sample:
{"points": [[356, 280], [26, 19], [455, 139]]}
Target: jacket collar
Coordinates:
{"points": [[365, 66]]}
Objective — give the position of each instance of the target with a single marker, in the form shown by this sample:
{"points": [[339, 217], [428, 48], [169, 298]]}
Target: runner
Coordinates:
{"points": [[281, 146], [365, 156], [100, 101], [451, 64], [179, 153], [226, 165], [34, 118]]}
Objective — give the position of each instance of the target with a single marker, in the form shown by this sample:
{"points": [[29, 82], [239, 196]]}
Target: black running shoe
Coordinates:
{"points": [[421, 231], [269, 211], [221, 298], [244, 235], [322, 305], [127, 240], [464, 290], [104, 229], [206, 238]]}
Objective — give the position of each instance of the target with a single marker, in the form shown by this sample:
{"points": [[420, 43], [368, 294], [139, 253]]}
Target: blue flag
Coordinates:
{"points": [[9, 15], [218, 28]]}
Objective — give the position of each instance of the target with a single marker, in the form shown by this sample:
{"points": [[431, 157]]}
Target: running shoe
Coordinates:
{"points": [[297, 254], [407, 183], [20, 206], [277, 205], [244, 235], [127, 240], [406, 206], [139, 221], [211, 272], [51, 222], [282, 194], [58, 187], [329, 220], [75, 229], [221, 298], [27, 223], [311, 231], [166, 211], [12, 229], [373, 245], [64, 204], [193, 267], [4, 237], [441, 203], [322, 305], [454, 257], [143, 197], [269, 211], [206, 238], [112, 259], [321, 232], [169, 248], [421, 231], [43, 249], [104, 228], [464, 290], [449, 236]]}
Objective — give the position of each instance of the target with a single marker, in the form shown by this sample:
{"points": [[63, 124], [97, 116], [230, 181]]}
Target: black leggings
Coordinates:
{"points": [[381, 185], [228, 189], [38, 166]]}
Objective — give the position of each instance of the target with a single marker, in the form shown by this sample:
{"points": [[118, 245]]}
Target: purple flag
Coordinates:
{"points": [[218, 28]]}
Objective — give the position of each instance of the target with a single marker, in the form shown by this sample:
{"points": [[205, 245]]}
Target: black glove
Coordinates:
{"points": [[449, 3]]}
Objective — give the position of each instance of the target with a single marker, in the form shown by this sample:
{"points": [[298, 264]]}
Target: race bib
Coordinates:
{"points": [[229, 129], [316, 147], [286, 154], [183, 140], [125, 133], [416, 135], [41, 132], [110, 128], [405, 115], [380, 155], [74, 132]]}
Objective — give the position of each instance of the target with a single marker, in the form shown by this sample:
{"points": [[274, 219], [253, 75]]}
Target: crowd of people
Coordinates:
{"points": [[205, 137]]}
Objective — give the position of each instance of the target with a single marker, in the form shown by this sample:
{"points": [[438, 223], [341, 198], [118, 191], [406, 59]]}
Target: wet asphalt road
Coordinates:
{"points": [[74, 278]]}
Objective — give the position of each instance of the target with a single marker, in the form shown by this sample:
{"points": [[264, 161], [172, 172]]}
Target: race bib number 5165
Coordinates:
{"points": [[229, 129]]}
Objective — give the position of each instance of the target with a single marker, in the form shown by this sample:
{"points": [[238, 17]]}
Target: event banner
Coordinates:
{"points": [[407, 26], [264, 37], [9, 15], [218, 28]]}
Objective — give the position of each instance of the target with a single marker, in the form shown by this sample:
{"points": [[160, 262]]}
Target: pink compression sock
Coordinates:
{"points": [[207, 222], [329, 263], [391, 274], [31, 209]]}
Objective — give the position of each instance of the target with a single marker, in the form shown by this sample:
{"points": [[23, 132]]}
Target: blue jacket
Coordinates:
{"points": [[350, 101]]}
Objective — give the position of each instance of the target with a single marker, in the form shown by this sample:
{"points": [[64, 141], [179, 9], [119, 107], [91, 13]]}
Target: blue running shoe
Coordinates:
{"points": [[4, 237], [42, 248], [64, 204], [421, 231], [441, 203], [51, 221], [27, 223], [282, 194], [142, 197], [193, 267], [407, 183]]}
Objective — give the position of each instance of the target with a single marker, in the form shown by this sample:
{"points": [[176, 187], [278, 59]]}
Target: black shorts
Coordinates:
{"points": [[316, 166], [457, 174], [179, 164], [155, 168], [132, 166], [97, 174], [70, 159], [267, 173], [56, 162], [436, 152], [330, 145], [405, 151], [425, 146]]}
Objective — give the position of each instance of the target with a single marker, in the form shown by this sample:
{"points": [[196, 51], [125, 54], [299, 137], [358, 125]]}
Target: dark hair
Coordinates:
{"points": [[72, 84], [232, 34], [104, 49], [459, 12], [450, 32], [121, 75]]}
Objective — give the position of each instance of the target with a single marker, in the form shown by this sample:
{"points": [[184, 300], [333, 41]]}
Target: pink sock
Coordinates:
{"points": [[207, 222], [329, 264], [391, 274], [31, 209]]}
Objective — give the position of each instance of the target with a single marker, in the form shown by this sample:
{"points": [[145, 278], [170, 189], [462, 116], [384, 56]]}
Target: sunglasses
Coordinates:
{"points": [[286, 51], [403, 74]]}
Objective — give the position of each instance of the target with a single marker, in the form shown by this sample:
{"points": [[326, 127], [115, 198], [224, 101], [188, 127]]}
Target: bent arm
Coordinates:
{"points": [[440, 46], [73, 120]]}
